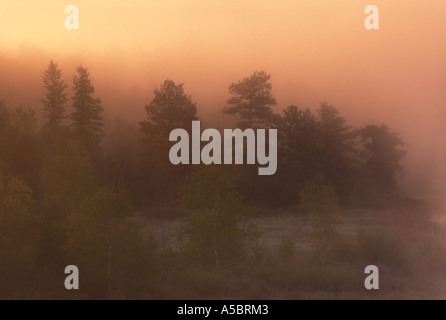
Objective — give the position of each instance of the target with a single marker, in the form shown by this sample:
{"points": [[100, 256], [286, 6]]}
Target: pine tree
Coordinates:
{"points": [[298, 148], [169, 109], [336, 143], [87, 119], [55, 98], [251, 99]]}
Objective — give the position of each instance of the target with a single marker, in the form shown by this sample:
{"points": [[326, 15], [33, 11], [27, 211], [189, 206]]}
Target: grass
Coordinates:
{"points": [[406, 245]]}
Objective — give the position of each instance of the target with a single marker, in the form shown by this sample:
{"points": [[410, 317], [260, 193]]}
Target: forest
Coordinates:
{"points": [[77, 190]]}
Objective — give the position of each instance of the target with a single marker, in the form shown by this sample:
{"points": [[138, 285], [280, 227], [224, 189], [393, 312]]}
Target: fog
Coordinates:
{"points": [[139, 226], [314, 52]]}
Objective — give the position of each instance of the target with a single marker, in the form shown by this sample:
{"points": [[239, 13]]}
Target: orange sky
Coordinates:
{"points": [[314, 50]]}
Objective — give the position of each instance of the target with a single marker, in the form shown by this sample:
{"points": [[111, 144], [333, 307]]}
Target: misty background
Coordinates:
{"points": [[189, 239], [314, 52]]}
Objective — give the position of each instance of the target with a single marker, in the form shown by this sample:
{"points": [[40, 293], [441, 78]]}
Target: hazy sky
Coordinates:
{"points": [[314, 50]]}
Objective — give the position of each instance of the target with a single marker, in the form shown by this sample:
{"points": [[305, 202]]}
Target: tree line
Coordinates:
{"points": [[69, 190]]}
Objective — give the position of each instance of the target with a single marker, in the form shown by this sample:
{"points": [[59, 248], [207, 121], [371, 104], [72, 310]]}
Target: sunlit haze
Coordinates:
{"points": [[314, 50]]}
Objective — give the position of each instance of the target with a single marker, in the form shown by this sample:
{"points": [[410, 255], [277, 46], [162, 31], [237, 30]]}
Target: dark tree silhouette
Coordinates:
{"points": [[251, 100], [87, 119], [336, 142], [382, 154], [20, 153], [55, 98], [297, 130], [171, 108], [298, 151]]}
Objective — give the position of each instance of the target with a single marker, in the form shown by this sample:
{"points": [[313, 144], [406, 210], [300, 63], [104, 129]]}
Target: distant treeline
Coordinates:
{"points": [[68, 189], [361, 163]]}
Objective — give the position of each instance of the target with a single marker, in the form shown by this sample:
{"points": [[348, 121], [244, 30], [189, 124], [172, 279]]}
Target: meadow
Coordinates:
{"points": [[404, 242]]}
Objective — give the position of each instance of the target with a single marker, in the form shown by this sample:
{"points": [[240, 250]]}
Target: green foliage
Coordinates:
{"points": [[115, 257], [67, 177], [297, 130], [17, 239], [251, 100], [24, 122], [320, 200], [218, 230], [169, 109], [19, 147], [298, 150], [87, 116], [210, 187], [55, 98], [69, 219]]}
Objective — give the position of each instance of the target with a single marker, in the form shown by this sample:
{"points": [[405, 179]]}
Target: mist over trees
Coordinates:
{"points": [[251, 100], [54, 100], [76, 193], [87, 116], [169, 109], [382, 155]]}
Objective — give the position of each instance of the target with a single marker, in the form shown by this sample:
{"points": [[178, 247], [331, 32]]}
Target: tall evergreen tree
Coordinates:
{"points": [[298, 149], [337, 144], [298, 129], [251, 99], [170, 108], [87, 119], [337, 149], [55, 98]]}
